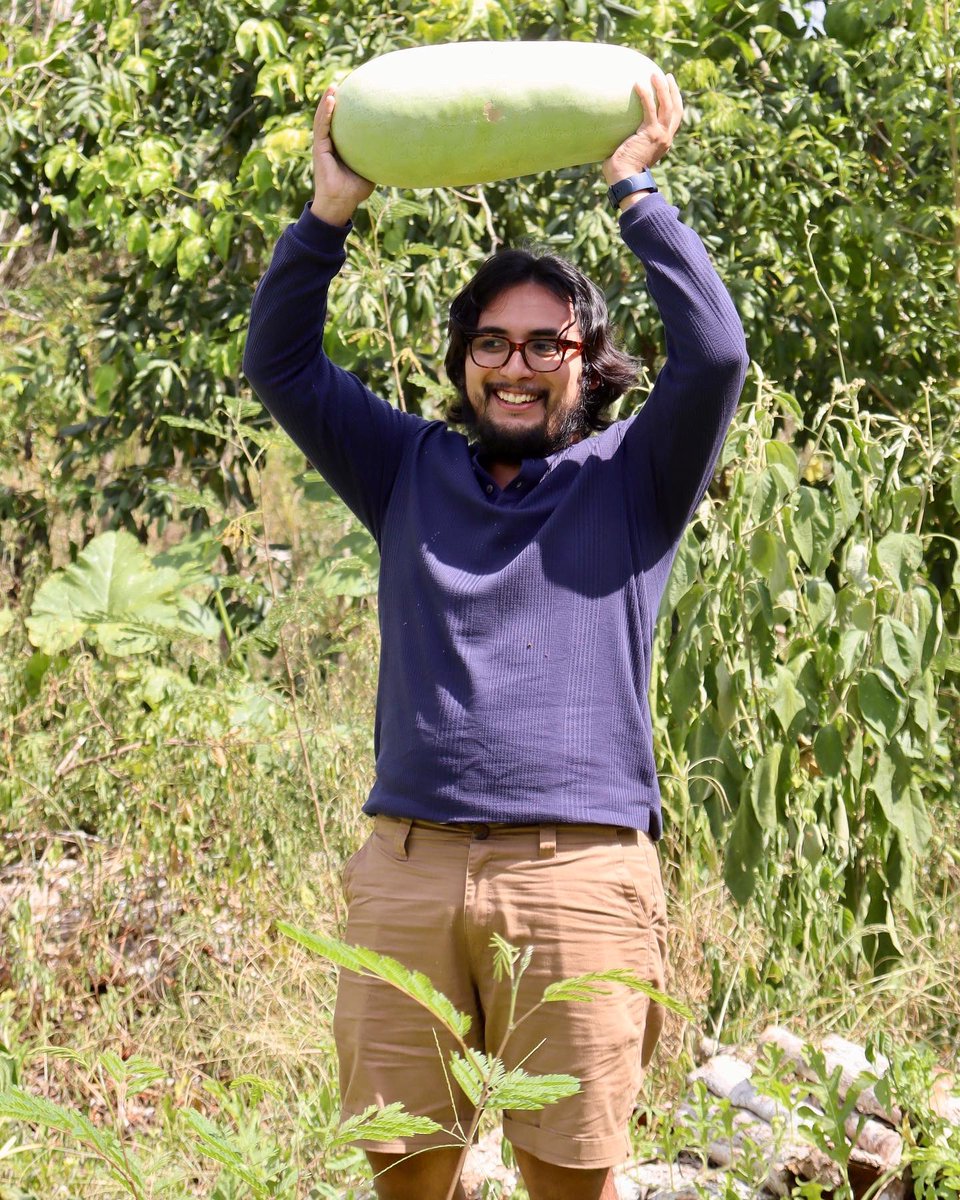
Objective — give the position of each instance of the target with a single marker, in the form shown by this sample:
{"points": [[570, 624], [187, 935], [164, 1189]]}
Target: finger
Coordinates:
{"points": [[676, 100], [324, 114], [662, 89], [647, 99]]}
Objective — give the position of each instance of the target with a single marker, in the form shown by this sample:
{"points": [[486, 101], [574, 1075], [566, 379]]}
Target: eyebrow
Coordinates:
{"points": [[533, 333]]}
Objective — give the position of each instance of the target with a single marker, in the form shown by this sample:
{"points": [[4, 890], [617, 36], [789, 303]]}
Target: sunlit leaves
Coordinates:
{"points": [[19, 1105], [486, 1080], [880, 702], [116, 598], [812, 654], [364, 961], [382, 1125], [587, 987], [899, 555]]}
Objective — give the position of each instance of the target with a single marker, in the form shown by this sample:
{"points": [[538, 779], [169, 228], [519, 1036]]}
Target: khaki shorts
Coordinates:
{"points": [[585, 897]]}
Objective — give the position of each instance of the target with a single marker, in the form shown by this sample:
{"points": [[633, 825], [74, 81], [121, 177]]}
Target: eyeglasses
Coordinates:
{"points": [[540, 353]]}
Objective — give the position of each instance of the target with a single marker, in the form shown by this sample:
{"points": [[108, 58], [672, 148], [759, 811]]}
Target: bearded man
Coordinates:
{"points": [[521, 570]]}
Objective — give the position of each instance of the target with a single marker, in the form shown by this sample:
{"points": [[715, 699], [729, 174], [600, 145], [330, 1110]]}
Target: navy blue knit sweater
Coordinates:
{"points": [[516, 624]]}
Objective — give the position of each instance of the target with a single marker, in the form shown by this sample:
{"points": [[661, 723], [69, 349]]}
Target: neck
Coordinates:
{"points": [[503, 473]]}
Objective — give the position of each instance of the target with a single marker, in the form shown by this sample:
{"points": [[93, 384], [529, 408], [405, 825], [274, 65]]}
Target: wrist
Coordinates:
{"points": [[630, 188], [633, 198], [333, 212]]}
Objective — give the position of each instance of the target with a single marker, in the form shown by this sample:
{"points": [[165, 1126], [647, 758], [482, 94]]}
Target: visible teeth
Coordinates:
{"points": [[515, 397]]}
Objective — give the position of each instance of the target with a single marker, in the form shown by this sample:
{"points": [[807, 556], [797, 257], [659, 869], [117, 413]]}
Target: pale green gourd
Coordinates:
{"points": [[473, 112]]}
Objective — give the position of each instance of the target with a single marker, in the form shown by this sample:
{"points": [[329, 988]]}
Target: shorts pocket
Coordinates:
{"points": [[349, 869], [643, 882]]}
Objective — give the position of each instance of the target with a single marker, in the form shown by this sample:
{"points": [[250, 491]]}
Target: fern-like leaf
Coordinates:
{"points": [[518, 1089], [594, 983], [19, 1105], [471, 1073], [215, 1144], [377, 1124], [368, 962]]}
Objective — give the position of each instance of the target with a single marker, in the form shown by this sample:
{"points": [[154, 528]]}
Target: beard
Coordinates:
{"points": [[502, 443]]}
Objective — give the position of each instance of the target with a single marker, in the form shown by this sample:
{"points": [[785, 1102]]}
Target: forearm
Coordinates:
{"points": [[686, 417], [355, 439], [288, 313], [701, 324]]}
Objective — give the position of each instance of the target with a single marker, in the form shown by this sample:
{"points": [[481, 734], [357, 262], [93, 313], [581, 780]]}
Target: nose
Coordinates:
{"points": [[515, 367]]}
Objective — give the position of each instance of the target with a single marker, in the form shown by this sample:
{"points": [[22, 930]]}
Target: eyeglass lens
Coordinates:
{"points": [[540, 354]]}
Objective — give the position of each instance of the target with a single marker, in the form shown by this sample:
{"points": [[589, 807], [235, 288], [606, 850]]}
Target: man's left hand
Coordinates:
{"points": [[662, 112]]}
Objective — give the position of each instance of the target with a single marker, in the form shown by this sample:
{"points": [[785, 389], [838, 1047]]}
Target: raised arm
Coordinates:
{"points": [[354, 439], [676, 438]]}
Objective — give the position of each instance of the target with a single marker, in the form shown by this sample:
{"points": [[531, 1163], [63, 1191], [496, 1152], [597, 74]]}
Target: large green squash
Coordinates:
{"points": [[472, 112]]}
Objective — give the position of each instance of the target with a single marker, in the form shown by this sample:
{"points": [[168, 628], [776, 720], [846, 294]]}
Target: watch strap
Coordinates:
{"points": [[644, 182]]}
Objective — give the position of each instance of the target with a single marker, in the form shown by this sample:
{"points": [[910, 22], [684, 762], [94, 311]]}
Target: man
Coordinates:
{"points": [[521, 572]]}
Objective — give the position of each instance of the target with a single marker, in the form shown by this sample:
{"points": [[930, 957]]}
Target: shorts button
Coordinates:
{"points": [[481, 832]]}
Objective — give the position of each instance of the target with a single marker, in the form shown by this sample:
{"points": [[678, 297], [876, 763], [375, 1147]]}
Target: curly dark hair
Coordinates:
{"points": [[607, 371]]}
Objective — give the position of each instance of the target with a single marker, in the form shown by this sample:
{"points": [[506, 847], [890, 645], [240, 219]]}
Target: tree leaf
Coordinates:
{"points": [[114, 596], [912, 823], [899, 555], [520, 1090], [811, 528], [760, 789], [785, 700], [821, 601], [744, 854], [784, 454], [470, 1073], [368, 962], [880, 703], [828, 750], [769, 556], [683, 573], [593, 984], [376, 1124], [898, 644]]}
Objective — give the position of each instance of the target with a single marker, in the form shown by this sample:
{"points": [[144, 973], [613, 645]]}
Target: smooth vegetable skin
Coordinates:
{"points": [[473, 112]]}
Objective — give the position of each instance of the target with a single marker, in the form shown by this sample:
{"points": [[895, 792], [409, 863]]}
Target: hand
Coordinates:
{"points": [[662, 111], [336, 189]]}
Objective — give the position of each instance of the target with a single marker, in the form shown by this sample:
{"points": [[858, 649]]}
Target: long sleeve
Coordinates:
{"points": [[352, 437], [675, 439]]}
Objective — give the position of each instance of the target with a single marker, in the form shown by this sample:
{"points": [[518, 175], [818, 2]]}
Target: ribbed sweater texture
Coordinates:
{"points": [[516, 624]]}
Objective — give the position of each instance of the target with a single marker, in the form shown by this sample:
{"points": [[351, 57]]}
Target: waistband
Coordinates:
{"points": [[398, 829]]}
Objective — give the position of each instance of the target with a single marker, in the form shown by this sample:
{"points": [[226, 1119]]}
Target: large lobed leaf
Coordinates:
{"points": [[115, 597]]}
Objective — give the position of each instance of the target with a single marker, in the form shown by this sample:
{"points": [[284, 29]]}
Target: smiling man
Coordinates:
{"points": [[521, 570]]}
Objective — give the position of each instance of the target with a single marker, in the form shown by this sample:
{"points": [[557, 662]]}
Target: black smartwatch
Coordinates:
{"points": [[644, 182]]}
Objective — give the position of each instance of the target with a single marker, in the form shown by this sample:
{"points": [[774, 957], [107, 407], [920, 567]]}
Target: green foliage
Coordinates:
{"points": [[826, 1125], [19, 1105], [116, 598], [488, 1084], [801, 693], [597, 983], [368, 962], [171, 146], [383, 1125]]}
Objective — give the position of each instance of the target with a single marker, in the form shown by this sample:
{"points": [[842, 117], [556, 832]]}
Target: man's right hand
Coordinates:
{"points": [[336, 189]]}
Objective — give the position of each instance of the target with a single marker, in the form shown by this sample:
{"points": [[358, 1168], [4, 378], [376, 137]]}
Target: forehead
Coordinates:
{"points": [[528, 308]]}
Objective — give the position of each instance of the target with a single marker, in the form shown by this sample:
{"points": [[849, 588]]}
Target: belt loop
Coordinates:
{"points": [[401, 832], [548, 841]]}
